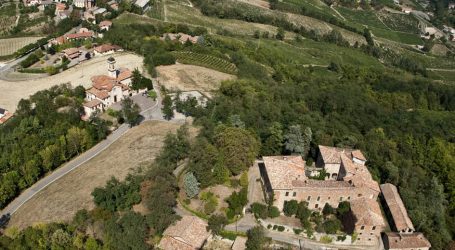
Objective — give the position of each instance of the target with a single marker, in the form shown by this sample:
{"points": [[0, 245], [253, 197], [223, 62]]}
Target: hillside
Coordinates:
{"points": [[294, 75]]}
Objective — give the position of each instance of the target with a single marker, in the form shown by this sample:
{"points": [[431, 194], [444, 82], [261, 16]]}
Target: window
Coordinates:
{"points": [[362, 227], [309, 198], [341, 198], [316, 206], [349, 197], [319, 198], [374, 228], [360, 233], [369, 239], [294, 194], [359, 195], [328, 198], [287, 194]]}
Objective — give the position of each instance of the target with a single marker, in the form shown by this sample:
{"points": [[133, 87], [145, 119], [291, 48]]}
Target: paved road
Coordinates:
{"points": [[151, 113]]}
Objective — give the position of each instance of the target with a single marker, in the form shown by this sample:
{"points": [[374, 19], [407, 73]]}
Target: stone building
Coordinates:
{"points": [[404, 237], [108, 89], [190, 233], [348, 179]]}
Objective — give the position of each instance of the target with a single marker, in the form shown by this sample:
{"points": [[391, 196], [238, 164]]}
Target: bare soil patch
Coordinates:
{"points": [[63, 198], [189, 77], [10, 45], [25, 85]]}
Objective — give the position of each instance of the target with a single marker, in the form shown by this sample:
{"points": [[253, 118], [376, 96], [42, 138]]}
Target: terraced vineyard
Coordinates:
{"points": [[11, 45], [206, 61], [400, 22]]}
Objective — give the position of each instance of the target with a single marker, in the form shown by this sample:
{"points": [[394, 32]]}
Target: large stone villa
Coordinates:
{"points": [[108, 89], [347, 179]]}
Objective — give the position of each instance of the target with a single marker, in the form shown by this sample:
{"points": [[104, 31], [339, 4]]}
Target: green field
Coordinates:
{"points": [[394, 32], [207, 61], [156, 10]]}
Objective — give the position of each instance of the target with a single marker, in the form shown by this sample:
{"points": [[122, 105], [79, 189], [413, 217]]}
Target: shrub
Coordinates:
{"points": [[290, 207], [191, 185], [326, 239], [341, 237], [275, 227], [259, 210], [280, 228], [273, 212], [298, 230], [269, 226]]}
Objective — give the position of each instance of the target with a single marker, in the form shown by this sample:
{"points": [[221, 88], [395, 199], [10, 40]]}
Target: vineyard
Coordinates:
{"points": [[206, 61], [11, 45]]}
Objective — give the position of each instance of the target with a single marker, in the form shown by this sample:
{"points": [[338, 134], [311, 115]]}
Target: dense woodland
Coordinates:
{"points": [[403, 122], [45, 132]]}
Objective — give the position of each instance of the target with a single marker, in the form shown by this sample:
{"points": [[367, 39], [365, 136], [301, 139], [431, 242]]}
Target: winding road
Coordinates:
{"points": [[150, 113]]}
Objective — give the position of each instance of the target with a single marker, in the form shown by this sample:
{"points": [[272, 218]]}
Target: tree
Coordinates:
{"points": [[273, 145], [290, 207], [256, 238], [191, 185], [167, 109], [216, 223], [296, 142], [76, 140], [368, 37], [332, 226], [327, 210], [130, 111], [280, 34], [237, 146]]}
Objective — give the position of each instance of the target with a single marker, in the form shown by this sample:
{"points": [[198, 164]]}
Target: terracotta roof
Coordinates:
{"points": [[71, 51], [101, 94], [320, 184], [92, 103], [396, 207], [124, 74], [367, 212], [359, 155], [358, 174], [60, 6], [106, 47], [105, 23], [103, 82], [79, 35], [333, 154], [239, 243], [405, 241], [282, 170], [188, 233]]}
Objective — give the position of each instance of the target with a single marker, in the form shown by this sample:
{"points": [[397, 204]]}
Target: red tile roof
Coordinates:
{"points": [[101, 94], [188, 233], [396, 207], [106, 47], [367, 212], [283, 170], [405, 241], [92, 103]]}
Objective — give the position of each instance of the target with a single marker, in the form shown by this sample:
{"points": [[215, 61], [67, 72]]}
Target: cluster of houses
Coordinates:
{"points": [[347, 179]]}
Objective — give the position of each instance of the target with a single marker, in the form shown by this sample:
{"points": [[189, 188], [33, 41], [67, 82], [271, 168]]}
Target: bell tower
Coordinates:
{"points": [[112, 71]]}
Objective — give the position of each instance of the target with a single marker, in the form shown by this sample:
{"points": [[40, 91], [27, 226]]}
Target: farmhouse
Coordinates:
{"points": [[143, 4], [348, 179], [4, 115], [189, 233], [105, 25], [72, 53], [106, 49], [82, 34], [108, 89], [181, 37]]}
